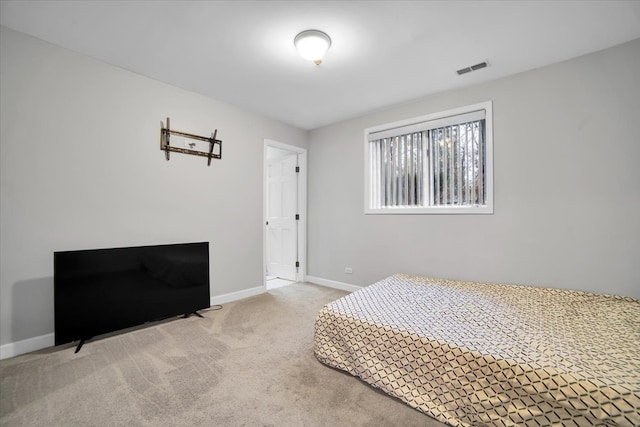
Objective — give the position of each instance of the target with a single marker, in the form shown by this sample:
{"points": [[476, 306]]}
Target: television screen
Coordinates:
{"points": [[104, 290]]}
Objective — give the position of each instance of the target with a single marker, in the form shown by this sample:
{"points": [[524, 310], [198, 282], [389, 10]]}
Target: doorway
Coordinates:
{"points": [[284, 214]]}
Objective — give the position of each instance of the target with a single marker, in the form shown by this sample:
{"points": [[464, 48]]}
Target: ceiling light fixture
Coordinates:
{"points": [[312, 45]]}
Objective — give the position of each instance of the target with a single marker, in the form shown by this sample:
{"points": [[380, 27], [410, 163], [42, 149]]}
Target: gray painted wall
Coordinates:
{"points": [[567, 187], [81, 168]]}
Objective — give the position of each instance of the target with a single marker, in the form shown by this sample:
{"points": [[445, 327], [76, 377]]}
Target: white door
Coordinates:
{"points": [[281, 209]]}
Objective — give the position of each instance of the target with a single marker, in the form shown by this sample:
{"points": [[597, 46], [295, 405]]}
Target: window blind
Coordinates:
{"points": [[434, 163]]}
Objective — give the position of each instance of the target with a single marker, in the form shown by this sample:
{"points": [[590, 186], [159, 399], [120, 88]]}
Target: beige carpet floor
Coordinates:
{"points": [[249, 364]]}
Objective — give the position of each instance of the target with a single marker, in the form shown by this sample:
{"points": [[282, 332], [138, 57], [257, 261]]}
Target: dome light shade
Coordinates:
{"points": [[312, 45]]}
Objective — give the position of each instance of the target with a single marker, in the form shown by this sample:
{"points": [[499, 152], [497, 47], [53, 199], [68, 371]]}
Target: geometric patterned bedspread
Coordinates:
{"points": [[481, 354]]}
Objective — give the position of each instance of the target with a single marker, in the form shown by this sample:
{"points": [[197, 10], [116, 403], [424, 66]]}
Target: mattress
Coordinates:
{"points": [[482, 354]]}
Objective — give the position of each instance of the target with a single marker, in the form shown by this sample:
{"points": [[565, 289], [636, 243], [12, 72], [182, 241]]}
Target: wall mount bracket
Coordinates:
{"points": [[211, 151]]}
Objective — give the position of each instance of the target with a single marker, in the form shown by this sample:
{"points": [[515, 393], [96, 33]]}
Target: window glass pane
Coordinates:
{"points": [[421, 165]]}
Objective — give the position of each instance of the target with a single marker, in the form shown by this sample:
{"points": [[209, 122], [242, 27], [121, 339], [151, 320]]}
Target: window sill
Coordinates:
{"points": [[434, 210]]}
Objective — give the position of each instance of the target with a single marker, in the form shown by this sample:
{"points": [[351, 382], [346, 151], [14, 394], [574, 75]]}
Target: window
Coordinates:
{"points": [[440, 163]]}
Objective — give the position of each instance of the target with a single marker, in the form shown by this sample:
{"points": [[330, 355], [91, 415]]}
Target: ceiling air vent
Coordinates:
{"points": [[471, 68]]}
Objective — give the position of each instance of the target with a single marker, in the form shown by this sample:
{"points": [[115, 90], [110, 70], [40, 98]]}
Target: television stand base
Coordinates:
{"points": [[82, 341], [186, 315]]}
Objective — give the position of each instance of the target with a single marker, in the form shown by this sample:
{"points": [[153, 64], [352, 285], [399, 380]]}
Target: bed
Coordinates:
{"points": [[481, 354]]}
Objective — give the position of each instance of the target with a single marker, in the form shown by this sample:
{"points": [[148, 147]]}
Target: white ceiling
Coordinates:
{"points": [[383, 52]]}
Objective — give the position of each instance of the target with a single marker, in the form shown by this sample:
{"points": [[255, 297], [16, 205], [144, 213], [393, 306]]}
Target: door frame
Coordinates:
{"points": [[302, 207]]}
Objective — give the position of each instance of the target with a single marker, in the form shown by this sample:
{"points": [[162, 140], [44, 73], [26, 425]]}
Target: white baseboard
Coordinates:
{"points": [[332, 284], [235, 296], [43, 341], [26, 346]]}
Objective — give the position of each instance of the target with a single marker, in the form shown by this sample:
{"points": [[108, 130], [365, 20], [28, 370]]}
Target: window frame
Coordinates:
{"points": [[487, 208]]}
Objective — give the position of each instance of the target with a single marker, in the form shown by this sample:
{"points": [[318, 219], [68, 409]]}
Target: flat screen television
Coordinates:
{"points": [[98, 291]]}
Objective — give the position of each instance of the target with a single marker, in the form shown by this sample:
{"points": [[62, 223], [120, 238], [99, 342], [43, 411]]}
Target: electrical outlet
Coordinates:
{"points": [[348, 270]]}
